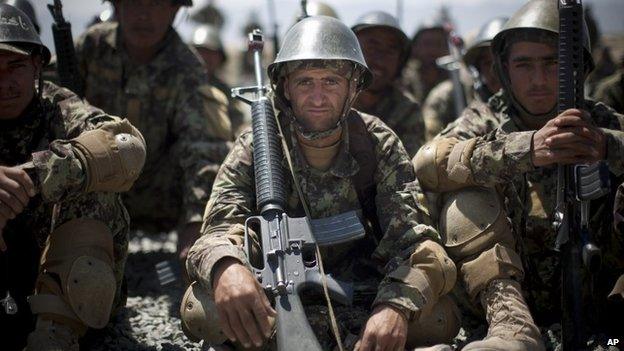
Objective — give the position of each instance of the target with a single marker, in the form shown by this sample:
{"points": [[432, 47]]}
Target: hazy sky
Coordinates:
{"points": [[468, 14]]}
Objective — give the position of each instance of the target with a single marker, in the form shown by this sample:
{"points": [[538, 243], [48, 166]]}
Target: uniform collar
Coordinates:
{"points": [[344, 166]]}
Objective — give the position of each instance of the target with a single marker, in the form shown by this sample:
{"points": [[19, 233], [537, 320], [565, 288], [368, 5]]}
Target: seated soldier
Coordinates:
{"points": [[386, 48], [439, 107], [343, 160], [63, 228], [502, 237]]}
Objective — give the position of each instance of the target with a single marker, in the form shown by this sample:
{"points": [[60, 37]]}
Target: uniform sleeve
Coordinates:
{"points": [[59, 170], [203, 133], [476, 120], [499, 157], [438, 109], [405, 225], [231, 202]]}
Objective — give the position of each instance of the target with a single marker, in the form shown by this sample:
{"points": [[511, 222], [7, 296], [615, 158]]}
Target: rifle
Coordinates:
{"points": [[66, 61], [577, 185], [273, 21], [290, 265], [452, 63]]}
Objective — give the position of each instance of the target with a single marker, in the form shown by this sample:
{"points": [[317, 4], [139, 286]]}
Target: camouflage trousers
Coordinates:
{"points": [[26, 237]]}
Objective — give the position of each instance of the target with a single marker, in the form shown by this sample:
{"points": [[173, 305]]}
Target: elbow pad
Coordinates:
{"points": [[112, 156], [444, 164]]}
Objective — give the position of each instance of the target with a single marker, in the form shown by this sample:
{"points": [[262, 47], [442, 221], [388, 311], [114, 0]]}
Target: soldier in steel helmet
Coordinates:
{"points": [[500, 234], [63, 228], [207, 41], [386, 48], [438, 108], [343, 160], [422, 73], [139, 68]]}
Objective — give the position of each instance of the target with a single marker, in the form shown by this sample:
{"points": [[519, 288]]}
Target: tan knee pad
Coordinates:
{"points": [[200, 320], [436, 325], [76, 282], [473, 220], [498, 262]]}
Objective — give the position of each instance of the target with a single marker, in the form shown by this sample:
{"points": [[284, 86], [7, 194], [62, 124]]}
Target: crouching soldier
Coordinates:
{"points": [[498, 166], [343, 160], [63, 228]]}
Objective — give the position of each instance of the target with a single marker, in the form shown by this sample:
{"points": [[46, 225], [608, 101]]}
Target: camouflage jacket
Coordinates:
{"points": [[402, 114], [183, 119], [478, 119], [41, 135], [611, 91], [502, 159], [403, 220], [239, 119], [439, 107]]}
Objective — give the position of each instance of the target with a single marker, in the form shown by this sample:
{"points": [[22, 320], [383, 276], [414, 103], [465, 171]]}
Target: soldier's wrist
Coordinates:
{"points": [[220, 266]]}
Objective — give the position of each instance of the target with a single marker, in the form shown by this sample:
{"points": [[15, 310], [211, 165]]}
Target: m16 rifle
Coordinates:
{"points": [[577, 185], [290, 264], [66, 61]]}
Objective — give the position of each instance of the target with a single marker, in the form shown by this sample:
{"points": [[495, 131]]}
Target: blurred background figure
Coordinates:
{"points": [[107, 15], [422, 73], [386, 49], [478, 79], [207, 41], [27, 8], [319, 8]]}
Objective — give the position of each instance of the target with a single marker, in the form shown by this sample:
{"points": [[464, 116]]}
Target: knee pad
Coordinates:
{"points": [[473, 220], [76, 281], [200, 320], [438, 324], [498, 262]]}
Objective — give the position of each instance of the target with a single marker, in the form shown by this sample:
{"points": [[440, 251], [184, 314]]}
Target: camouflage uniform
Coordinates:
{"points": [[42, 134], [183, 119], [502, 159], [439, 107], [402, 219], [611, 91], [402, 114], [238, 118]]}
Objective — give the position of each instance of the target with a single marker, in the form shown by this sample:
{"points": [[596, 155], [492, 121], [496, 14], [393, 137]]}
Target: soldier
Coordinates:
{"points": [[207, 41], [422, 72], [611, 91], [139, 68], [337, 153], [385, 49], [63, 228], [500, 234], [438, 109]]}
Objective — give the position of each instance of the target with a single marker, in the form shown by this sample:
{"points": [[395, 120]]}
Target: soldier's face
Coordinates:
{"points": [[317, 97], [18, 74], [486, 69], [431, 44], [144, 23], [382, 49], [532, 69]]}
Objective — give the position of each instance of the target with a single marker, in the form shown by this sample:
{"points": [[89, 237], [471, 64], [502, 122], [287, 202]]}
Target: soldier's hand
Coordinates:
{"points": [[16, 189], [385, 330], [567, 139], [245, 313]]}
